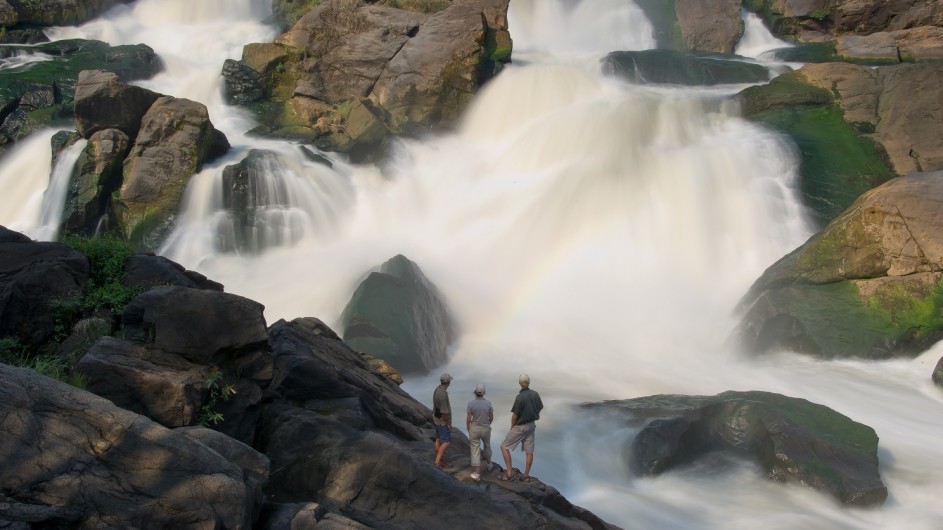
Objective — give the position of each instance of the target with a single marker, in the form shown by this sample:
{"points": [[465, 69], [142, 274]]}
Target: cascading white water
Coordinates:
{"points": [[592, 233], [757, 39]]}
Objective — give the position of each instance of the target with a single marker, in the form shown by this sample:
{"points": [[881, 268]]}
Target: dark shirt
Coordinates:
{"points": [[527, 406]]}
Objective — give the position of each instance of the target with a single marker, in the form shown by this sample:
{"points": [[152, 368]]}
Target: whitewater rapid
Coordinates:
{"points": [[594, 234]]}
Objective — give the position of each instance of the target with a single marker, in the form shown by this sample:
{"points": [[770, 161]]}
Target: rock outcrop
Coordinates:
{"points": [[792, 440], [396, 314], [350, 74], [227, 423], [73, 459], [904, 30], [695, 25], [158, 142], [868, 285]]}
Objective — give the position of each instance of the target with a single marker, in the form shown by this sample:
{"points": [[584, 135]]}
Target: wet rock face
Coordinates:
{"points": [[793, 440], [677, 68]]}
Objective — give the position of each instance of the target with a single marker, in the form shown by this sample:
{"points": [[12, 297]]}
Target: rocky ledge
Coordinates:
{"points": [[195, 413]]}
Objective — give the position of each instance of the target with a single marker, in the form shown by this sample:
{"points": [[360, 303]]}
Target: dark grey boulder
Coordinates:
{"points": [[97, 175], [103, 102], [277, 516], [312, 363], [242, 84], [35, 277], [148, 270], [791, 439], [677, 68], [938, 373], [164, 387], [396, 314], [202, 326]]}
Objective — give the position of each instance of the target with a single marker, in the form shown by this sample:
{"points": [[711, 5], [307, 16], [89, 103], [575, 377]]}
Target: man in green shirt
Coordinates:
{"points": [[442, 418], [524, 414]]}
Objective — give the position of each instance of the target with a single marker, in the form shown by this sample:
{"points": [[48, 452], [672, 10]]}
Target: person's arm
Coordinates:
{"points": [[468, 420], [513, 419], [447, 418], [490, 416]]}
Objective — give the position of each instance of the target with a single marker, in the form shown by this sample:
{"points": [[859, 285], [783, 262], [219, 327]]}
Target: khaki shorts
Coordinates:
{"points": [[521, 434]]}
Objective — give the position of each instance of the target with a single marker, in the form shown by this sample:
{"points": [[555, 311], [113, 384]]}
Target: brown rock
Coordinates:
{"points": [[711, 26]]}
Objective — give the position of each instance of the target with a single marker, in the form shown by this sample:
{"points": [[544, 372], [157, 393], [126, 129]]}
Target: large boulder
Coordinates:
{"points": [[175, 139], [677, 68], [97, 175], [868, 285], [103, 102], [710, 26], [380, 71], [898, 107], [34, 278], [791, 439], [396, 314], [41, 93], [215, 341], [695, 25], [73, 459]]}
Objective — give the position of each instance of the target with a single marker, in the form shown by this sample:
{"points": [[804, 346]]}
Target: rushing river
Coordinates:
{"points": [[594, 234]]}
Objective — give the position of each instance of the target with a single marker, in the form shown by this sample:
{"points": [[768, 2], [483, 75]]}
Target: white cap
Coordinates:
{"points": [[445, 378], [480, 390], [524, 379]]}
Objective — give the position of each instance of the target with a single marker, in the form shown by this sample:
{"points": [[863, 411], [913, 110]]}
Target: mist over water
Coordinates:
{"points": [[592, 233]]}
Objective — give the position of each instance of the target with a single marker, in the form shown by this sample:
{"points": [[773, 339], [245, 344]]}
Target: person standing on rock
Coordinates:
{"points": [[524, 414], [442, 418], [478, 420]]}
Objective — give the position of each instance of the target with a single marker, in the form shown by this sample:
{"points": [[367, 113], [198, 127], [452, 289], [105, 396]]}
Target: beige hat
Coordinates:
{"points": [[445, 378], [524, 379], [480, 390]]}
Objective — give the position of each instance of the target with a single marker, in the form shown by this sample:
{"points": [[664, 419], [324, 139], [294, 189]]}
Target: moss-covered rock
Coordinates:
{"points": [[838, 163], [868, 285], [40, 93], [793, 440], [398, 316], [677, 68]]}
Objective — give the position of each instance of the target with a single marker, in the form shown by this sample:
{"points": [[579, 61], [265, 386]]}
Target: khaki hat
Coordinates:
{"points": [[445, 378]]}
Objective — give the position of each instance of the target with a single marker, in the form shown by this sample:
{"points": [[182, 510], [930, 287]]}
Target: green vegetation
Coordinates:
{"points": [[49, 365], [820, 14], [209, 416], [910, 310], [837, 164], [107, 258]]}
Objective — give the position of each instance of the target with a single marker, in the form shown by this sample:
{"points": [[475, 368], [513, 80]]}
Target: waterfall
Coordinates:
{"points": [[594, 234]]}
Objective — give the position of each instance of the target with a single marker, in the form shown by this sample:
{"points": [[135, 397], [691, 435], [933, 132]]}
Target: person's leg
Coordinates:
{"points": [[527, 444], [441, 453], [486, 453], [442, 441], [507, 462], [529, 461], [474, 441]]}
